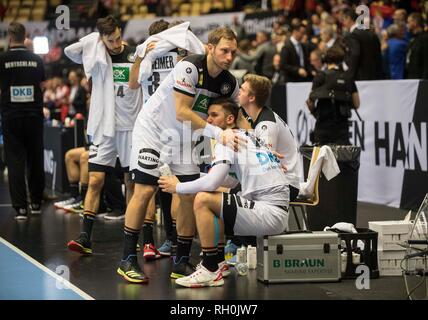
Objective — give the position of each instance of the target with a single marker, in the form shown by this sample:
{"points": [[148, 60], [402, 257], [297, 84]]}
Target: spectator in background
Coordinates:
{"points": [[363, 55], [400, 18], [77, 96], [315, 25], [328, 38], [263, 56], [239, 63], [315, 59], [278, 75], [417, 51], [238, 28], [295, 56], [395, 51], [278, 39]]}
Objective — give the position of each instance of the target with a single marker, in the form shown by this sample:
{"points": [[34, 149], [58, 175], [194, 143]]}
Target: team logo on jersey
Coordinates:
{"points": [[201, 104], [189, 70], [131, 58], [264, 127], [120, 74], [225, 88]]}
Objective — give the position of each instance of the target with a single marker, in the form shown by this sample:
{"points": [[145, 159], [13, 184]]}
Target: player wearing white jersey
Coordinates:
{"points": [[262, 209], [103, 156], [162, 134], [270, 128]]}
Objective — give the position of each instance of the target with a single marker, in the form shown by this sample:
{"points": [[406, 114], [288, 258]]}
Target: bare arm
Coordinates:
{"points": [[356, 100], [133, 76]]}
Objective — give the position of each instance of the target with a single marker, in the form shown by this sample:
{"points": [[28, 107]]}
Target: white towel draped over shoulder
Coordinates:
{"points": [[176, 37], [326, 162], [92, 53]]}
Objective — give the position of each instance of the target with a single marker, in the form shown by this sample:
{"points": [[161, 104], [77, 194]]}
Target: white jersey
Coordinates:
{"points": [[161, 67], [257, 169], [272, 131], [190, 77], [128, 101]]}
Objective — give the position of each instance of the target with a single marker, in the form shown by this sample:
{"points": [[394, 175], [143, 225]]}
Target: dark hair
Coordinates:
{"points": [[229, 105], [16, 31], [106, 26], [296, 26], [418, 18], [350, 12], [334, 55], [158, 26], [221, 32]]}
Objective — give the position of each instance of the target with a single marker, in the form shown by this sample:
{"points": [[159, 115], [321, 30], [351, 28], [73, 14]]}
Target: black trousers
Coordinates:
{"points": [[23, 147]]}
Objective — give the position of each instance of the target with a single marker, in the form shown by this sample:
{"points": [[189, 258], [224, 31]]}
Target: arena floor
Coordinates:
{"points": [[33, 253]]}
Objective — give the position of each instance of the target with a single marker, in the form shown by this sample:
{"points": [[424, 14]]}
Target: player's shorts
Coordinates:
{"points": [[102, 158], [252, 218], [151, 148]]}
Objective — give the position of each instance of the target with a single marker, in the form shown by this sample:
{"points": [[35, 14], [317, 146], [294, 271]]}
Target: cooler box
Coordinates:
{"points": [[299, 257], [391, 234]]}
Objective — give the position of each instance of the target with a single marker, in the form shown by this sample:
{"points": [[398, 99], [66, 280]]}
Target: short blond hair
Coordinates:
{"points": [[260, 87], [221, 32]]}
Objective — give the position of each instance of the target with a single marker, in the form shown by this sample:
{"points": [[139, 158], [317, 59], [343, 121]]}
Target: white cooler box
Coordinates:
{"points": [[391, 233], [299, 257]]}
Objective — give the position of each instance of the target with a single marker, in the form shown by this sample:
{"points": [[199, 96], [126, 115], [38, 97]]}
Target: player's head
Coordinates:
{"points": [[16, 32], [222, 46], [223, 113], [254, 90], [110, 33], [158, 26]]}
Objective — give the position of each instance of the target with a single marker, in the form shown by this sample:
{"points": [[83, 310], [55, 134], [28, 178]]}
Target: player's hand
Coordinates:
{"points": [[231, 139], [151, 46], [168, 184]]}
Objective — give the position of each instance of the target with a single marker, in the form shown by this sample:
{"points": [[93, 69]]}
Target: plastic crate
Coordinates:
{"points": [[368, 255]]}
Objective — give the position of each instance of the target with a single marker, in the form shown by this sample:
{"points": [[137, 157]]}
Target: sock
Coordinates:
{"points": [[209, 259], [130, 242], [220, 252], [83, 190], [183, 246], [148, 231], [88, 222], [174, 233], [74, 189]]}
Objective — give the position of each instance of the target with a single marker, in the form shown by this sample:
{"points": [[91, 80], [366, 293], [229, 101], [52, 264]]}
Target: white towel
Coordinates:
{"points": [[326, 162], [91, 52], [176, 37]]}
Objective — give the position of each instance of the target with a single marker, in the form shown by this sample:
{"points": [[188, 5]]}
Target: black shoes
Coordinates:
{"points": [[181, 268], [81, 245], [130, 270]]}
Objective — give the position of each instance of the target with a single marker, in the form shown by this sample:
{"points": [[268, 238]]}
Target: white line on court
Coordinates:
{"points": [[47, 270], [5, 205]]}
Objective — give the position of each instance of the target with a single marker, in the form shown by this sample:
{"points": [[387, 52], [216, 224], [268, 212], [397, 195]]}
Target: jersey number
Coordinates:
{"points": [[120, 92], [155, 79]]}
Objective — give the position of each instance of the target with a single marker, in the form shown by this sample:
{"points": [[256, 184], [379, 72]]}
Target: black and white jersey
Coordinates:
{"points": [[190, 77], [21, 73], [275, 133], [128, 101]]}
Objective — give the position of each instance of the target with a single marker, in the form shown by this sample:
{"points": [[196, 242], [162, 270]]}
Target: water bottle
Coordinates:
{"points": [[241, 255], [251, 257], [242, 269], [165, 170]]}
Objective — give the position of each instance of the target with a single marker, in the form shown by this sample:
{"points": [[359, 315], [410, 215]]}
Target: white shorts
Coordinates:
{"points": [[244, 217], [151, 148], [106, 153]]}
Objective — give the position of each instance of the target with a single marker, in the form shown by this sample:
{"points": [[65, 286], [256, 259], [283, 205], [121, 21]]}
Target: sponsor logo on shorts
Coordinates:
{"points": [[93, 151], [148, 158], [120, 74]]}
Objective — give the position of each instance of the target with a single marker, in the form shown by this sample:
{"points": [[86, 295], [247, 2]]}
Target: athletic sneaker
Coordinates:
{"points": [[150, 252], [202, 277], [66, 202], [114, 215], [224, 268], [35, 208], [130, 270], [82, 245], [21, 214], [76, 207], [182, 268], [166, 248]]}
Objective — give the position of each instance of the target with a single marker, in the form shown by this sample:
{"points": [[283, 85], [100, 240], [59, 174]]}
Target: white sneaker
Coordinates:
{"points": [[63, 203], [224, 268], [202, 277]]}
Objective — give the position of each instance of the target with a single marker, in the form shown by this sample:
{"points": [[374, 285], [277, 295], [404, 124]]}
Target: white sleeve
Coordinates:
{"points": [[185, 76], [74, 52], [267, 132], [209, 182], [162, 47]]}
